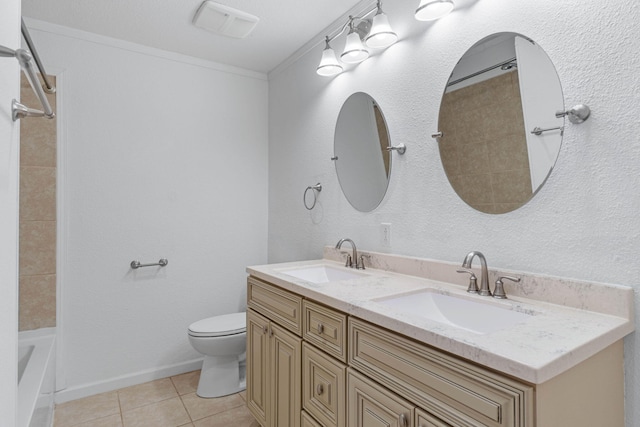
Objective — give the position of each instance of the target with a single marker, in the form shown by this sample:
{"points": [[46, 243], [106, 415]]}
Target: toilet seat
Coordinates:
{"points": [[219, 326]]}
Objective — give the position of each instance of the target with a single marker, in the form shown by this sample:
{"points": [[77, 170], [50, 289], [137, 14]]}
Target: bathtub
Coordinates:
{"points": [[36, 377]]}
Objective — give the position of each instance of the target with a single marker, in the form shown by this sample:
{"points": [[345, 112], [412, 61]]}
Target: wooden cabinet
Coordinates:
{"points": [[351, 373], [456, 391], [274, 358]]}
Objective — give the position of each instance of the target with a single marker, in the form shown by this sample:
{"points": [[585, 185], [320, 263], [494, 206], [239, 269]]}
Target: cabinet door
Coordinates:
{"points": [[257, 366], [307, 420], [370, 405], [323, 387], [286, 366], [424, 419]]}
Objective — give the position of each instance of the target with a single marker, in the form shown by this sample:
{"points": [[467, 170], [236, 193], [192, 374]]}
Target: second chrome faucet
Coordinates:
{"points": [[484, 290]]}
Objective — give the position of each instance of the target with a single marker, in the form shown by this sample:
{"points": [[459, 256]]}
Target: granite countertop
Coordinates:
{"points": [[552, 340]]}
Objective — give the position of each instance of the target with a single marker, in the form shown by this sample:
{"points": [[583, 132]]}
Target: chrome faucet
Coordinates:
{"points": [[484, 276], [351, 259]]}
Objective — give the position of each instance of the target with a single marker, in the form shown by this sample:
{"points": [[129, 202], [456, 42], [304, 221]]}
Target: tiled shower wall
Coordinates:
{"points": [[484, 148], [37, 215]]}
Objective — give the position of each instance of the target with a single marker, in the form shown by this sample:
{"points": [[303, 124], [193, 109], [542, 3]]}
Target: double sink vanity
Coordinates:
{"points": [[401, 343]]}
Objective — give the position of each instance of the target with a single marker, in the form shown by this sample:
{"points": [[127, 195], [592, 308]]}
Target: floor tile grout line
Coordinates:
{"points": [[186, 409], [120, 407]]}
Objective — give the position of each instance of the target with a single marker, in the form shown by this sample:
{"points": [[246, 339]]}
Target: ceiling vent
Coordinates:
{"points": [[225, 20]]}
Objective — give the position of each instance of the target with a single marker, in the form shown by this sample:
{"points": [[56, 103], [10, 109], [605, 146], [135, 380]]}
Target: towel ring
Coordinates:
{"points": [[316, 189]]}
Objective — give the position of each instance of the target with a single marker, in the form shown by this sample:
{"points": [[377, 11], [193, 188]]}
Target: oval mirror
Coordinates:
{"points": [[500, 135], [363, 163]]}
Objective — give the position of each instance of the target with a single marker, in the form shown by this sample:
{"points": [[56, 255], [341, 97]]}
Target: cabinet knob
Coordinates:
{"points": [[265, 329], [270, 332], [320, 328], [403, 420], [319, 389]]}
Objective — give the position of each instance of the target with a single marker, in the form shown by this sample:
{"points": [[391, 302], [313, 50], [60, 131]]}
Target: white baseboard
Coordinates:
{"points": [[91, 389]]}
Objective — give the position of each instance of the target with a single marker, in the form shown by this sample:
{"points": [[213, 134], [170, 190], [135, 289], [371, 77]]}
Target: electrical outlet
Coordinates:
{"points": [[385, 234]]}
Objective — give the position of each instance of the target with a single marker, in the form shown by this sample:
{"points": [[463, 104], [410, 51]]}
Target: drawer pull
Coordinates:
{"points": [[319, 389], [403, 420], [320, 328]]}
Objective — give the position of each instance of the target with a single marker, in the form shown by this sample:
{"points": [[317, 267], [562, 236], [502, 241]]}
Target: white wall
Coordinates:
{"points": [[9, 178], [164, 156], [583, 224]]}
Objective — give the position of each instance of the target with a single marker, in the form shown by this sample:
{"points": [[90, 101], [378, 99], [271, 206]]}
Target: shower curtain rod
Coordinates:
{"points": [[18, 110], [477, 73], [47, 86]]}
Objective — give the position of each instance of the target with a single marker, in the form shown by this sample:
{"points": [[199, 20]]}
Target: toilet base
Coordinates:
{"points": [[221, 376]]}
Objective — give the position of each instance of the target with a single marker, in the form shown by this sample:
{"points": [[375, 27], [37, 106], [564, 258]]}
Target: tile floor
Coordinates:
{"points": [[169, 402]]}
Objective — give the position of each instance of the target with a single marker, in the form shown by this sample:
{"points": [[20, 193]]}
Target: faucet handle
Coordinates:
{"points": [[473, 280], [498, 291], [349, 262]]}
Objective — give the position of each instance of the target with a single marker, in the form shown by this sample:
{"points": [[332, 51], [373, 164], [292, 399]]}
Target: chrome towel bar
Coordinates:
{"points": [[538, 131], [161, 263]]}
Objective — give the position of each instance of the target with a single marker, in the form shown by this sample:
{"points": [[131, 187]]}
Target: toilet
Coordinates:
{"points": [[222, 340]]}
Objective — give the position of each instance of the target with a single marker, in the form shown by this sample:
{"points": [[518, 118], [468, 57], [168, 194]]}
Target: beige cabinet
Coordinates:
{"points": [[274, 354], [455, 391], [351, 373], [274, 358]]}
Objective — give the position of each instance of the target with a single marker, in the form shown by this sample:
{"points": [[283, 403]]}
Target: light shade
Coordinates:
{"points": [[430, 10], [329, 65], [354, 51], [381, 35]]}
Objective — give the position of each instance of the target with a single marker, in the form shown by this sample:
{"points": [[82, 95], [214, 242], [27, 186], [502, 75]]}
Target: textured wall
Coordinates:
{"points": [[584, 222], [164, 156]]}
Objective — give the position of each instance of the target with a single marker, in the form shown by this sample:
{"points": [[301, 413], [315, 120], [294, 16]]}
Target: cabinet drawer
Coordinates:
{"points": [[371, 405], [424, 419], [323, 387], [453, 390], [326, 329], [279, 305]]}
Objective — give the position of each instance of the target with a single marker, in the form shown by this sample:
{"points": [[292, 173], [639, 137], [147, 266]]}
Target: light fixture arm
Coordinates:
{"points": [[377, 8]]}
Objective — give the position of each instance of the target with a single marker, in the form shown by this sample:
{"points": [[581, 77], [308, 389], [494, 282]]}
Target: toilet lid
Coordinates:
{"points": [[227, 324]]}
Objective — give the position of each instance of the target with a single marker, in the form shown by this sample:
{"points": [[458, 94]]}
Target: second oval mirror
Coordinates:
{"points": [[363, 163], [500, 135]]}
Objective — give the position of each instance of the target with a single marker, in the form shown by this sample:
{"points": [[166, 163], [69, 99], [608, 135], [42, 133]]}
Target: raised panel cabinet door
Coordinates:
{"points": [[425, 419], [371, 405], [286, 366], [307, 420], [323, 387], [257, 367]]}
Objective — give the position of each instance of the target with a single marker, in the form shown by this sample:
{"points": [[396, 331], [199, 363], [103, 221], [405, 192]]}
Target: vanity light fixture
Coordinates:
{"points": [[376, 33], [354, 50], [329, 65], [381, 34], [430, 10]]}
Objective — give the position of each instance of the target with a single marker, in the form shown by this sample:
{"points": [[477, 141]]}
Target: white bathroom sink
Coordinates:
{"points": [[322, 274], [471, 314]]}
